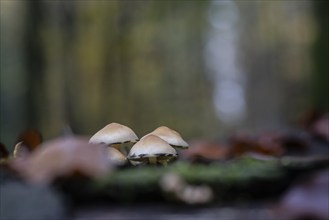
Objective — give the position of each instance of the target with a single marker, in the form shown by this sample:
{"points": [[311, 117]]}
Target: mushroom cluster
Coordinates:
{"points": [[157, 147]]}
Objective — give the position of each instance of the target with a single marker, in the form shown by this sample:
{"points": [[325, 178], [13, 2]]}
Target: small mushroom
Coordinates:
{"points": [[196, 194], [175, 186], [114, 135], [152, 149], [115, 157], [27, 142], [172, 183], [171, 136], [65, 156], [20, 150]]}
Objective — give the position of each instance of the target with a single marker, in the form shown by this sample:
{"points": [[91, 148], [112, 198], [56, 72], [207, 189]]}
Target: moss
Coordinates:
{"points": [[242, 178], [223, 178]]}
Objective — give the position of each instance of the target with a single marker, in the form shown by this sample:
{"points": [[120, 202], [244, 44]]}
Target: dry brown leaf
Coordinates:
{"points": [[265, 144], [205, 151]]}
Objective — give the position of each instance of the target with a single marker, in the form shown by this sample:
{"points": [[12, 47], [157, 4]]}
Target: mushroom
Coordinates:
{"points": [[151, 149], [114, 135], [196, 194], [115, 157], [27, 142], [171, 136], [65, 156], [175, 185], [21, 150]]}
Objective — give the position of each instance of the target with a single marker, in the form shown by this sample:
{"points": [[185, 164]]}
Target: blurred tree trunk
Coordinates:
{"points": [[34, 61], [321, 57]]}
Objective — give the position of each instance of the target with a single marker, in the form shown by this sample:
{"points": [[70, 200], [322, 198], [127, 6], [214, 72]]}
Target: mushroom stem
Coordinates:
{"points": [[153, 160], [163, 162], [125, 149], [117, 146]]}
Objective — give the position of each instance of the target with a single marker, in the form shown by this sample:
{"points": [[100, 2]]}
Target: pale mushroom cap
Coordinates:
{"points": [[114, 133], [21, 150], [115, 156], [63, 156], [152, 146], [171, 136]]}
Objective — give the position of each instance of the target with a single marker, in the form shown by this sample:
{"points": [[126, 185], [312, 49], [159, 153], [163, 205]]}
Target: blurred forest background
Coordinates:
{"points": [[204, 68]]}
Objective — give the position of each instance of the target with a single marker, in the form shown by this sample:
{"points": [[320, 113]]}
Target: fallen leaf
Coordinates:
{"points": [[265, 144], [204, 151]]}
